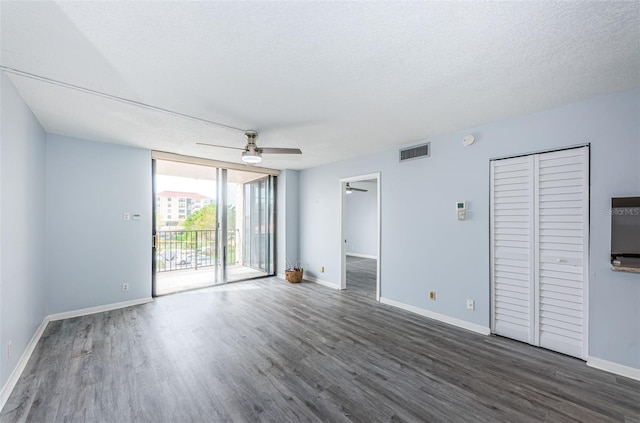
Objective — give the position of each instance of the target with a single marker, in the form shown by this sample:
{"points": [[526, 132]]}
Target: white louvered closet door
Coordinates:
{"points": [[539, 249], [562, 246], [512, 246]]}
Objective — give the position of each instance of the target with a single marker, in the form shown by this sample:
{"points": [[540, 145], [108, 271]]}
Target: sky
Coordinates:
{"points": [[176, 183]]}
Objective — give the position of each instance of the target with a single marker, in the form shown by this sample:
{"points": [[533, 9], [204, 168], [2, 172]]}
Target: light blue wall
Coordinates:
{"points": [[361, 220], [425, 248], [91, 250], [22, 224], [287, 219]]}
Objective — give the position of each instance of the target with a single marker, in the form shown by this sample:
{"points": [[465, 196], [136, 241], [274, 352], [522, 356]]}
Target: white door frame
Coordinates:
{"points": [[343, 249]]}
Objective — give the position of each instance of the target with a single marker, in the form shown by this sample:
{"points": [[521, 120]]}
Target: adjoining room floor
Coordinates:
{"points": [[361, 276], [272, 351]]}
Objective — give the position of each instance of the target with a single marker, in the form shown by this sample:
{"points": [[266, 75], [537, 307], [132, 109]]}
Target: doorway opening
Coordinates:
{"points": [[212, 225], [360, 235]]}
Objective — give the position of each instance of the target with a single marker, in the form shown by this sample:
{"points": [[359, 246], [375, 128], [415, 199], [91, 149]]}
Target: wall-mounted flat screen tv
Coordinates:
{"points": [[625, 231]]}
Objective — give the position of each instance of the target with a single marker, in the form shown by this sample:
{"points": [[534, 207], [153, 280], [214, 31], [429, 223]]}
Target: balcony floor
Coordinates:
{"points": [[183, 280]]}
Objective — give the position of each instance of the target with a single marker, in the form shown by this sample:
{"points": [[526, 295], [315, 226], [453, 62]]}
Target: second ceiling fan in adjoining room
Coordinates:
{"points": [[350, 189]]}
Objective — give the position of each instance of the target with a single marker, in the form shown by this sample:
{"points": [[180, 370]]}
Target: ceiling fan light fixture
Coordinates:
{"points": [[251, 157]]}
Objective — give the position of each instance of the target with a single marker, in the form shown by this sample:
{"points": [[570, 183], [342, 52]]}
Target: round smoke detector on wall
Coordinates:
{"points": [[468, 140]]}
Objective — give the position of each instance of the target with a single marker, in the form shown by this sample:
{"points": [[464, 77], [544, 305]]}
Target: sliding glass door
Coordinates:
{"points": [[258, 224], [244, 197], [212, 225]]}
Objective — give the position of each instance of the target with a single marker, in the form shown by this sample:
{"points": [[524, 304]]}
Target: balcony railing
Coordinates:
{"points": [[180, 250]]}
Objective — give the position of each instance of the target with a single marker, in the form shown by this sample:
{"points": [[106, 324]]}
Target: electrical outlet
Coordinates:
{"points": [[471, 305], [432, 295], [125, 287], [9, 349], [321, 269]]}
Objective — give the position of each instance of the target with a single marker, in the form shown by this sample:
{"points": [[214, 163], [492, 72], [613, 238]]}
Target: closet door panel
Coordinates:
{"points": [[512, 270], [561, 249]]}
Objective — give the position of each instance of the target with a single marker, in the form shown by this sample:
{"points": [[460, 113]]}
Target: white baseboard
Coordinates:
{"points": [[22, 363], [437, 316], [369, 256], [98, 309], [609, 366], [321, 282], [26, 355]]}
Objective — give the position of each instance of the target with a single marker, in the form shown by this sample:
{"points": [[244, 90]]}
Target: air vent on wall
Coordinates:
{"points": [[415, 152]]}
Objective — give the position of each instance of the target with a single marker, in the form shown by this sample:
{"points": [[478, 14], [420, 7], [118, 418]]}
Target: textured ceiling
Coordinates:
{"points": [[337, 79]]}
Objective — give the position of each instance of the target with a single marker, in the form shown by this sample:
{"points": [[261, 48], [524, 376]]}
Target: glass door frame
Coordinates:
{"points": [[154, 231]]}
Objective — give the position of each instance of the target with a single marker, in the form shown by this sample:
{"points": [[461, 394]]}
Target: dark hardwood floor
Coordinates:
{"points": [[267, 350]]}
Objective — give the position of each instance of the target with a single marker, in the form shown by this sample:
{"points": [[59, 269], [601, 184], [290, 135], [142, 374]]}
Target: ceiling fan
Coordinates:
{"points": [[350, 189], [251, 153]]}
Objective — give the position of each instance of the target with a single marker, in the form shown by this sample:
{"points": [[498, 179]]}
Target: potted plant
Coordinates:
{"points": [[293, 274]]}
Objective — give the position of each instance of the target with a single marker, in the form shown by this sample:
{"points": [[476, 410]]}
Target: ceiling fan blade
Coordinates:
{"points": [[350, 188], [276, 150], [221, 146]]}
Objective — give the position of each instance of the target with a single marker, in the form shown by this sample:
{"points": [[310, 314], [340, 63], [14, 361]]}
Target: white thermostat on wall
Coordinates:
{"points": [[461, 210]]}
